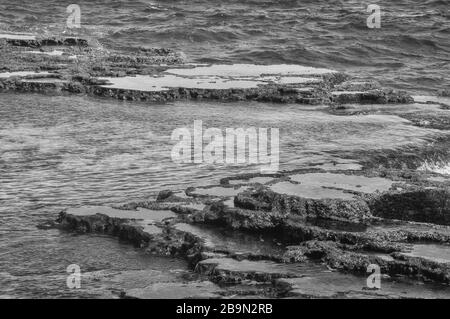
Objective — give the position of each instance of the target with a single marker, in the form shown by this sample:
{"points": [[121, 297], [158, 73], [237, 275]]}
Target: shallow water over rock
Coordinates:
{"points": [[140, 213], [56, 152], [337, 225], [45, 80], [433, 252], [259, 180], [59, 152], [342, 181], [341, 164], [10, 36], [335, 285], [264, 269], [309, 191], [226, 240], [219, 191], [163, 83], [176, 290], [237, 76]]}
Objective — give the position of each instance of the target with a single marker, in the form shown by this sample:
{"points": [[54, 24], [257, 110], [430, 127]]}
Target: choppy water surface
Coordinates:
{"points": [[57, 152], [66, 151], [410, 50]]}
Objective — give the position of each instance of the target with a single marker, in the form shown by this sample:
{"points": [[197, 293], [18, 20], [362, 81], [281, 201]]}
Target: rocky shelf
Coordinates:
{"points": [[58, 65], [305, 234], [309, 233]]}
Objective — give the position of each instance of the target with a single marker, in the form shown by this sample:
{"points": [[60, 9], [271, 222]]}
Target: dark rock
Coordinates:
{"points": [[227, 270], [420, 205], [86, 64], [264, 199], [445, 92], [376, 96], [176, 290], [164, 195]]}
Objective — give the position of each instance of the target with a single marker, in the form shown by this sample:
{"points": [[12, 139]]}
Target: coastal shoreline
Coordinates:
{"points": [[309, 233]]}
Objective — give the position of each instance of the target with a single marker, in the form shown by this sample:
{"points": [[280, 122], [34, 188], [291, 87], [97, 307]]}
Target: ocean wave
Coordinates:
{"points": [[323, 33]]}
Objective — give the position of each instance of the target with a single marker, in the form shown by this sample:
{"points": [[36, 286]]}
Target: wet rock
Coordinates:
{"points": [[138, 227], [176, 202], [327, 285], [55, 41], [232, 243], [357, 86], [421, 204], [336, 214], [351, 196], [224, 255], [249, 179], [164, 195], [432, 252], [190, 290], [339, 257], [276, 199], [238, 218], [430, 261], [445, 92], [332, 285], [112, 282], [215, 191], [380, 237], [375, 96], [143, 74], [227, 270]]}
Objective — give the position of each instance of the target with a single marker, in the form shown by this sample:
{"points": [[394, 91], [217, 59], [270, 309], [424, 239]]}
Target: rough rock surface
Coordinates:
{"points": [[258, 242], [32, 63], [303, 234]]}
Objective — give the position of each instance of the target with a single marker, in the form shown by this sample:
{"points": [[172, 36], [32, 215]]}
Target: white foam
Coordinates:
{"points": [[440, 168]]}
